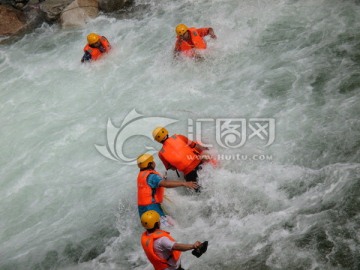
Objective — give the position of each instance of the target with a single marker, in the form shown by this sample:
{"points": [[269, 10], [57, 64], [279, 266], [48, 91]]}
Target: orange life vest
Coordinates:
{"points": [[95, 52], [147, 242], [186, 47], [146, 194], [180, 155]]}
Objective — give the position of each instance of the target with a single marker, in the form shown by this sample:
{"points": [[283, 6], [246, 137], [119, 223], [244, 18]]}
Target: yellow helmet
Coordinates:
{"points": [[143, 160], [93, 38], [181, 29], [149, 218], [159, 134]]}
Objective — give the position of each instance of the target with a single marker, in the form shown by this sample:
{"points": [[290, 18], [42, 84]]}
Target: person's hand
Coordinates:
{"points": [[212, 34], [196, 245], [201, 148], [192, 185]]}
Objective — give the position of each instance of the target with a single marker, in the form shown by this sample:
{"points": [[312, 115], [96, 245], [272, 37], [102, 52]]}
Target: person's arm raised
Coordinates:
{"points": [[186, 247], [174, 184]]}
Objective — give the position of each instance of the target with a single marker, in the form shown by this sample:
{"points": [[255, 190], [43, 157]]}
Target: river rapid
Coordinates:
{"points": [[277, 97]]}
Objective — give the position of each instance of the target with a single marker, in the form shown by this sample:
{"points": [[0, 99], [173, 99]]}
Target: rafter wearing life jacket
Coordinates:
{"points": [[147, 242], [97, 52], [146, 194], [195, 41], [178, 153]]}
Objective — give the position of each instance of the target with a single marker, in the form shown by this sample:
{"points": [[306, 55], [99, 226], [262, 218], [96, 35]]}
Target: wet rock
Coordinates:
{"points": [[21, 16], [53, 8], [12, 20], [34, 16], [111, 5], [78, 13], [18, 4]]}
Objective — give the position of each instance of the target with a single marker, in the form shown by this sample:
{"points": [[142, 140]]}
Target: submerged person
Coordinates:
{"points": [[180, 153], [96, 47], [161, 249], [151, 184], [190, 40]]}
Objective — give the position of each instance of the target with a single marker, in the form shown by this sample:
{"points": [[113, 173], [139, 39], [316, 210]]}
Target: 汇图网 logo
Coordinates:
{"points": [[234, 132], [229, 133]]}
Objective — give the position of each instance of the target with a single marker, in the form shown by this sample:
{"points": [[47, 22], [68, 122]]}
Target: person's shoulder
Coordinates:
{"points": [[154, 178], [182, 137], [154, 174], [165, 242]]}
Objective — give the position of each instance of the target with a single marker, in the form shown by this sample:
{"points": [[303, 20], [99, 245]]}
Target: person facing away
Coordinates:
{"points": [[160, 248], [151, 185], [180, 153], [190, 40], [96, 47]]}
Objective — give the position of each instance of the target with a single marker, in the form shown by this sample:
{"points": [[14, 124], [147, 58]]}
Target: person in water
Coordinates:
{"points": [[180, 153], [96, 47], [160, 248], [190, 40], [151, 184]]}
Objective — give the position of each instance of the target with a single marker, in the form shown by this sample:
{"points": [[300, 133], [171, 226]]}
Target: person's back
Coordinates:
{"points": [[160, 248], [97, 45], [190, 40], [179, 151], [163, 248], [151, 187]]}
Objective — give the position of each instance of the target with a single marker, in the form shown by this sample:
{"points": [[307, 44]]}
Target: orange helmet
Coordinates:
{"points": [[181, 29], [93, 38], [159, 134], [149, 219], [143, 160]]}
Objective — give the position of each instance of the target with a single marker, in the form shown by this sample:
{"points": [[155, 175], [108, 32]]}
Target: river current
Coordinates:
{"points": [[277, 97]]}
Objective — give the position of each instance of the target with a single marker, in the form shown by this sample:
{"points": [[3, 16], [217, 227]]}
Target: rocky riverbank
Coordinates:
{"points": [[21, 16]]}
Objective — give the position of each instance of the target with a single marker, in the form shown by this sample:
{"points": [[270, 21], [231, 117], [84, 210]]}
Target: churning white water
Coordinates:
{"points": [[293, 204]]}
